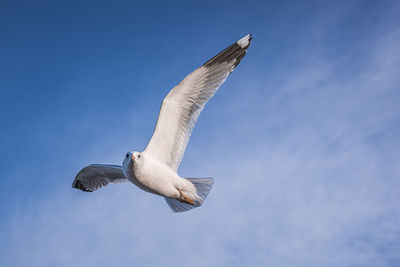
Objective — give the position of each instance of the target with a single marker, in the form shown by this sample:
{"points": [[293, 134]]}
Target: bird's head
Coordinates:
{"points": [[132, 158]]}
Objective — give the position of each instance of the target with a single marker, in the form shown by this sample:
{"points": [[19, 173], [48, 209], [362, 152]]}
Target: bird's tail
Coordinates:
{"points": [[203, 187]]}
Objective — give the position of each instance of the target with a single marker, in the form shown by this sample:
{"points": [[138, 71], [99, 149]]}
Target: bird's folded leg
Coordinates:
{"points": [[184, 198]]}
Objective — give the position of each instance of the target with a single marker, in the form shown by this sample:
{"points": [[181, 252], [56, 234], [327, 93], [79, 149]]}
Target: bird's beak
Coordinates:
{"points": [[133, 157]]}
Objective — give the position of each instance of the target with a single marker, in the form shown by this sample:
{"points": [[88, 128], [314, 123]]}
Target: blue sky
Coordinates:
{"points": [[303, 139]]}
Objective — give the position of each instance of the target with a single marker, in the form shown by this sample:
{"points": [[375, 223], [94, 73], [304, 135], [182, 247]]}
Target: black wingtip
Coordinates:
{"points": [[234, 52], [78, 185]]}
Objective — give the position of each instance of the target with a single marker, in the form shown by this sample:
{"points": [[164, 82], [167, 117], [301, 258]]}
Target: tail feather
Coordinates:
{"points": [[203, 187]]}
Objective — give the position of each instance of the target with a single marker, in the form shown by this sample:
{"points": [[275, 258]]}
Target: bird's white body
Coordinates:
{"points": [[154, 176], [155, 169]]}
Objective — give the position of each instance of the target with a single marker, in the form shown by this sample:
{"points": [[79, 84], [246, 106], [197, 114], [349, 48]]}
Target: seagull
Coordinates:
{"points": [[154, 170]]}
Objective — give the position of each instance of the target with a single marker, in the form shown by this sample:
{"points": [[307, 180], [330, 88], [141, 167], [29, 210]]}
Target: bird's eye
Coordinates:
{"points": [[127, 155], [138, 156]]}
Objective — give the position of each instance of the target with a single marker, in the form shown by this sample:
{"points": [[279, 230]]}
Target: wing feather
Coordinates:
{"points": [[95, 176], [182, 106]]}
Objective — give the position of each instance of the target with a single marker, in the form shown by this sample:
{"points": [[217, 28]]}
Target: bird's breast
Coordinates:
{"points": [[153, 177]]}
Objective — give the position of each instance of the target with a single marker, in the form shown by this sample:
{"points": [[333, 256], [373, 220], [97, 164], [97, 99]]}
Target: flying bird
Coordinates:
{"points": [[154, 170]]}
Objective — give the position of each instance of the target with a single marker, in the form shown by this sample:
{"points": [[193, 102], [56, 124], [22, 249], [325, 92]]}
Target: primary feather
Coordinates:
{"points": [[94, 176]]}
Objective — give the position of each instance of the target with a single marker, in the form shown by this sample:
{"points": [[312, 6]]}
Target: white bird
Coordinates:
{"points": [[154, 170]]}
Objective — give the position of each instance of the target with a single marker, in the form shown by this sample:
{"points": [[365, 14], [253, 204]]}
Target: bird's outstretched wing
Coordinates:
{"points": [[182, 106], [94, 176]]}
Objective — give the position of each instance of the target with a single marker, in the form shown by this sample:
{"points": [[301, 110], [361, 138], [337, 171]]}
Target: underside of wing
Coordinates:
{"points": [[94, 176], [182, 106]]}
